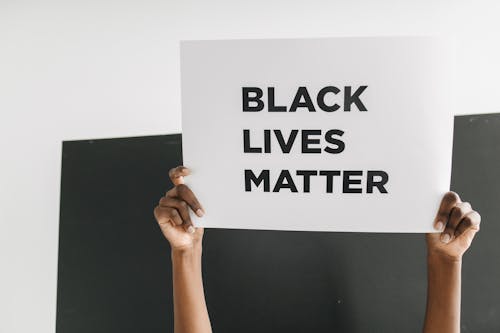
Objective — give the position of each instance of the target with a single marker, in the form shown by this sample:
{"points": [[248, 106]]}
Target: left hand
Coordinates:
{"points": [[459, 224], [172, 213]]}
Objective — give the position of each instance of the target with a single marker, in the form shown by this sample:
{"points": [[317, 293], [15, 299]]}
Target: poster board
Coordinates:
{"points": [[329, 134]]}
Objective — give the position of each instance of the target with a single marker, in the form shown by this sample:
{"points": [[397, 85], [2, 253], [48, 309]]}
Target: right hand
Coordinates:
{"points": [[458, 224], [172, 213]]}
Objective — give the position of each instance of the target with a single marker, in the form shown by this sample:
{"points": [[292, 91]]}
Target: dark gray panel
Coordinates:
{"points": [[114, 265]]}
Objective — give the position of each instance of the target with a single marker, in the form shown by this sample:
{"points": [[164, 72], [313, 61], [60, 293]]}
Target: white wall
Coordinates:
{"points": [[94, 69]]}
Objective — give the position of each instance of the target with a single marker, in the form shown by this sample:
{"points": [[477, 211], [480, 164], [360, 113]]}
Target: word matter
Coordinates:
{"points": [[350, 181]]}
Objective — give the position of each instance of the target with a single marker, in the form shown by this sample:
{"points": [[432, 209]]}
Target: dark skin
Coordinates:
{"points": [[455, 220], [444, 262], [172, 214]]}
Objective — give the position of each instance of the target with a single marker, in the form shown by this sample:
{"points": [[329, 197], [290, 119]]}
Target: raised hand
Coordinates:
{"points": [[458, 223], [172, 212]]}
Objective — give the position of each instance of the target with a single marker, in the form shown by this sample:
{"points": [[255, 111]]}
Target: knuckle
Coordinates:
{"points": [[458, 211], [478, 218], [443, 215], [467, 221], [171, 172], [182, 189], [449, 229], [183, 204], [475, 219], [451, 197]]}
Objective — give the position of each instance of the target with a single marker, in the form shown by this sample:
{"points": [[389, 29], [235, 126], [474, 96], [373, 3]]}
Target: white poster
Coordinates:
{"points": [[329, 134]]}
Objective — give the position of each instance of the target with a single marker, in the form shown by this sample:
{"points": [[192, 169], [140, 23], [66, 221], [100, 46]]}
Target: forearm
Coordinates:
{"points": [[190, 310], [443, 295]]}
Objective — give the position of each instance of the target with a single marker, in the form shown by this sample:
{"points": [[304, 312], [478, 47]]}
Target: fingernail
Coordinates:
{"points": [[439, 225], [191, 229], [445, 238], [199, 212]]}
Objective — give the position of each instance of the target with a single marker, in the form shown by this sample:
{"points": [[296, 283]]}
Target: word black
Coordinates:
{"points": [[253, 101]]}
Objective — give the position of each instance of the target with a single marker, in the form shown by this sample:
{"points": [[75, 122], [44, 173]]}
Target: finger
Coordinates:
{"points": [[183, 192], [169, 201], [470, 221], [181, 206], [177, 174], [162, 218], [466, 238], [450, 199], [457, 213], [164, 215]]}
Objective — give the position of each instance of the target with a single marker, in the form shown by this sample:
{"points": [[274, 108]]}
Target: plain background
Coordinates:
{"points": [[96, 69]]}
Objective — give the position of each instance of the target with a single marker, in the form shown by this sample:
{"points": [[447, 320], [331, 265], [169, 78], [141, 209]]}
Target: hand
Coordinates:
{"points": [[458, 223], [172, 213]]}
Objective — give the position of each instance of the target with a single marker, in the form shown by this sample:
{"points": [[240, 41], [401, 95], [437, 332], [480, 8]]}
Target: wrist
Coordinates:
{"points": [[437, 258], [193, 250]]}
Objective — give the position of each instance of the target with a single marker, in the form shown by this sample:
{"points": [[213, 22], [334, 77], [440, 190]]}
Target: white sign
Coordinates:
{"points": [[330, 134]]}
